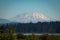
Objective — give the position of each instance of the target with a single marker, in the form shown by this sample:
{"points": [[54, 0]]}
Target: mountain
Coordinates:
{"points": [[3, 21], [32, 22], [32, 17]]}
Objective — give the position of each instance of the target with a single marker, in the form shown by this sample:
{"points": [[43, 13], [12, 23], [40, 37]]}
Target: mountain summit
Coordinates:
{"points": [[31, 17]]}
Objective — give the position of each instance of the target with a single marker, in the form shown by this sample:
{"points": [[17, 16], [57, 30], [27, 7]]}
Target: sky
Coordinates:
{"points": [[11, 8]]}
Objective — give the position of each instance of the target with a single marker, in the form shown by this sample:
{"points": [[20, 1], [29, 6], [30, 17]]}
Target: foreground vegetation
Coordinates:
{"points": [[9, 35]]}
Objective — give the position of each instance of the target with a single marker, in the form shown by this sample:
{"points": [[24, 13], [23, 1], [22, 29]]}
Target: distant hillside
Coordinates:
{"points": [[3, 21]]}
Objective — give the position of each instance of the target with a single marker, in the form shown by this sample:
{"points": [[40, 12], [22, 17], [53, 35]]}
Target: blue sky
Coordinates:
{"points": [[11, 8]]}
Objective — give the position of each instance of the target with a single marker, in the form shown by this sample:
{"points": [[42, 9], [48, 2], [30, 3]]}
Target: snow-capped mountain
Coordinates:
{"points": [[31, 17]]}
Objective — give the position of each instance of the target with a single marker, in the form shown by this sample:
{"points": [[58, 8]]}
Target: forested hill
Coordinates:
{"points": [[40, 27]]}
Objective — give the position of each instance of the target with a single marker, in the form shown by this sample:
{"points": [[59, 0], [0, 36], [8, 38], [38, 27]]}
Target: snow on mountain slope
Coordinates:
{"points": [[31, 17]]}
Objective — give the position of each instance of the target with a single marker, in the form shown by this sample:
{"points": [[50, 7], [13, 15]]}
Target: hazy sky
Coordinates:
{"points": [[11, 8]]}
